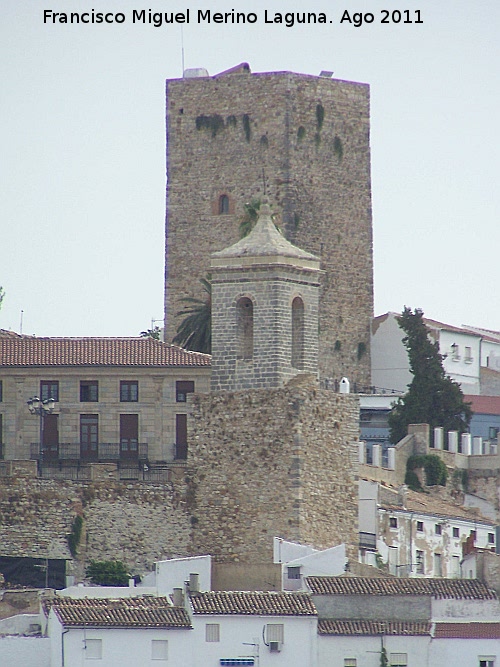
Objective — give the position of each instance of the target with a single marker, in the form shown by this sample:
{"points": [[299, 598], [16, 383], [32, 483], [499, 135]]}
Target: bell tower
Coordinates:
{"points": [[265, 300]]}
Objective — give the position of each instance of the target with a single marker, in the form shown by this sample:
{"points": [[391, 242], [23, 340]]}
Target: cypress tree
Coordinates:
{"points": [[433, 397]]}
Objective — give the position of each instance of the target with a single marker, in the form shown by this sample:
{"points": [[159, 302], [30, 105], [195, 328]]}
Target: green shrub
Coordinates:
{"points": [[107, 573]]}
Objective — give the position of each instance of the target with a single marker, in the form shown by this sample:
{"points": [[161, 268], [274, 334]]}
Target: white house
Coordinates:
{"points": [[146, 631], [419, 534], [299, 561], [266, 629], [415, 621], [460, 347]]}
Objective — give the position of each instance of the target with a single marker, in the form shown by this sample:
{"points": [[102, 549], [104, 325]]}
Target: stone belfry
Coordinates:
{"points": [[265, 300]]}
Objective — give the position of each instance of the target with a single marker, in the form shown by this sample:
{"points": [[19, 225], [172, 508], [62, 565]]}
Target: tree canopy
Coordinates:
{"points": [[195, 331], [107, 573], [433, 397]]}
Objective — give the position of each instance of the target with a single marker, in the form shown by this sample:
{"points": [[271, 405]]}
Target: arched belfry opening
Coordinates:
{"points": [[298, 333], [244, 327], [223, 205]]}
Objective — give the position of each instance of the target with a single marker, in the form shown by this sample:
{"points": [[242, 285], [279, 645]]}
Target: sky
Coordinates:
{"points": [[82, 162]]}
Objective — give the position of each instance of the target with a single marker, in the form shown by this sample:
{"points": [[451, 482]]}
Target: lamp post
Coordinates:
{"points": [[40, 407]]}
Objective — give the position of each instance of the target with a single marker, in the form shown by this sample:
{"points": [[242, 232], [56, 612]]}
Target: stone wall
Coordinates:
{"points": [[307, 138], [273, 463], [137, 522]]}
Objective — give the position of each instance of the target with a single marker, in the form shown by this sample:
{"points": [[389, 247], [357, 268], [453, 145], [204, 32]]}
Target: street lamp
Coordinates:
{"points": [[41, 408]]}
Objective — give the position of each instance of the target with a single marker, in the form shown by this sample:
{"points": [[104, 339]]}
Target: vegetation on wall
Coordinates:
{"points": [[435, 470], [246, 126], [433, 397], [75, 535], [320, 116], [338, 148], [213, 123], [301, 133]]}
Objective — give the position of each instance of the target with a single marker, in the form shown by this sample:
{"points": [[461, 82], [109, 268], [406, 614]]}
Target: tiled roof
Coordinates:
{"points": [[487, 405], [459, 589], [250, 603], [467, 630], [141, 612], [24, 351], [430, 505], [350, 627]]}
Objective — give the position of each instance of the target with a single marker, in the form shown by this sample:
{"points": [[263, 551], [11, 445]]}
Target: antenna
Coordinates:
{"points": [[21, 323], [182, 49]]}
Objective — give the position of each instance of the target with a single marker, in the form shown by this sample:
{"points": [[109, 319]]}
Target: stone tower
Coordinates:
{"points": [[265, 294], [305, 141]]}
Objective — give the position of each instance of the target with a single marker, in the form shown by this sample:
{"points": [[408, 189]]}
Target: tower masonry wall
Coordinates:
{"points": [[304, 140], [273, 463], [272, 290]]}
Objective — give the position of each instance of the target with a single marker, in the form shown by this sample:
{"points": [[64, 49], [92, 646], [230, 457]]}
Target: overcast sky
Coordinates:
{"points": [[83, 151]]}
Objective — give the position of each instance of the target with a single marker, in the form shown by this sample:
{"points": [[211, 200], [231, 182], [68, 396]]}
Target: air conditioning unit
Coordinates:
{"points": [[275, 647]]}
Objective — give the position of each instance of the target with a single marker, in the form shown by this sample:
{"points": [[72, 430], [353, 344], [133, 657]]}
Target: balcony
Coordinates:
{"points": [[102, 452]]}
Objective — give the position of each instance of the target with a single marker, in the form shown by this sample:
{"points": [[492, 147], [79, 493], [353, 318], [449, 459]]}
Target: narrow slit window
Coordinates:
{"points": [[298, 333], [244, 309]]}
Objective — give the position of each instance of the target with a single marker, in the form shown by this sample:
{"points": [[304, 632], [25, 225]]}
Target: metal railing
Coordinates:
{"points": [[75, 451]]}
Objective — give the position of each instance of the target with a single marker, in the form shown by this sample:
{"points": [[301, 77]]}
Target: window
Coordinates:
{"points": [[456, 532], [93, 649], [473, 534], [420, 526], [1, 391], [212, 632], [49, 389], [492, 431], [393, 522], [487, 661], [293, 572], [438, 529], [398, 659], [455, 356], [159, 649], [181, 437], [438, 572], [244, 315], [468, 355], [182, 389], [275, 632], [419, 561], [129, 391], [298, 333], [89, 391], [491, 538], [455, 567], [223, 205], [350, 662]]}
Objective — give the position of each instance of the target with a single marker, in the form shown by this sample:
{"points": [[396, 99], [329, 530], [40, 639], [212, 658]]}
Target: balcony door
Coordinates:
{"points": [[89, 436], [129, 437], [50, 438]]}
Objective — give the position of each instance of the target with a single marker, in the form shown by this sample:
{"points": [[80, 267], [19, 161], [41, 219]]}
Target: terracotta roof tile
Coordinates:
{"points": [[433, 506], [24, 351], [253, 603], [459, 589], [141, 612], [487, 405], [350, 627], [467, 630]]}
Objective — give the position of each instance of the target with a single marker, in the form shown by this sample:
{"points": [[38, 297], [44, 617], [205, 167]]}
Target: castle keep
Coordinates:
{"points": [[303, 140]]}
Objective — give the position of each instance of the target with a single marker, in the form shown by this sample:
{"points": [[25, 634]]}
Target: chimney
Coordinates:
{"points": [[194, 582], [402, 495], [178, 597]]}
